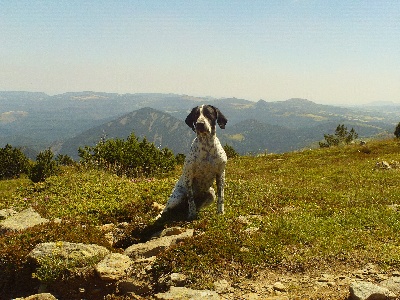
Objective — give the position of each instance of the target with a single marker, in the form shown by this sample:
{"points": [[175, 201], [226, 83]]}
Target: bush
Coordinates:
{"points": [[64, 160], [341, 136], [397, 131], [44, 167], [230, 152], [13, 163], [131, 157]]}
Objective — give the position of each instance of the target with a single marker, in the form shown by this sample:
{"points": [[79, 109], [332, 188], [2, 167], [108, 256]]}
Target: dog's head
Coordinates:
{"points": [[203, 119]]}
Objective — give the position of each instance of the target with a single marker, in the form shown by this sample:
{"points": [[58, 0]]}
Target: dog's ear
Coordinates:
{"points": [[191, 118], [221, 120]]}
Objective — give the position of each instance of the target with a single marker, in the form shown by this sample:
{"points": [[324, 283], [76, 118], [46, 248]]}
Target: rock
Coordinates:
{"points": [[134, 286], [155, 246], [182, 293], [362, 290], [222, 287], [75, 253], [174, 279], [168, 232], [113, 267], [22, 220], [43, 296], [384, 165], [393, 284], [280, 287], [6, 213]]}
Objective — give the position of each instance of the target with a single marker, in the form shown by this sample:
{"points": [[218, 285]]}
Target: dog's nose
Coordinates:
{"points": [[200, 126]]}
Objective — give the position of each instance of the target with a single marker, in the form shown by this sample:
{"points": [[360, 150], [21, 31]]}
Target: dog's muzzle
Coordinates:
{"points": [[201, 127]]}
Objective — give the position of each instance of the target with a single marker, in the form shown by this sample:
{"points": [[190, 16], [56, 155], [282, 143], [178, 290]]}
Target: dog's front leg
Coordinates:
{"points": [[220, 192], [192, 210]]}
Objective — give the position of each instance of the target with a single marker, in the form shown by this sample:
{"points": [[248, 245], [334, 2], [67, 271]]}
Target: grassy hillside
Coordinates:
{"points": [[295, 212]]}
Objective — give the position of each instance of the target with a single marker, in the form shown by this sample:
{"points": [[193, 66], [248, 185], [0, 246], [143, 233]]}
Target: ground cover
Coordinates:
{"points": [[293, 213]]}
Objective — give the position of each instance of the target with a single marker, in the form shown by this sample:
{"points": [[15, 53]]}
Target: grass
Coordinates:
{"points": [[296, 211]]}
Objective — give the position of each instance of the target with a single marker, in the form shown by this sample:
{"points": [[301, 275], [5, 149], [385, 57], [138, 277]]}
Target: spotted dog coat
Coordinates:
{"points": [[205, 163]]}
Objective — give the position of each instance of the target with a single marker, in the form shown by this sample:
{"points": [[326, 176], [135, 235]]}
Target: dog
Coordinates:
{"points": [[205, 163]]}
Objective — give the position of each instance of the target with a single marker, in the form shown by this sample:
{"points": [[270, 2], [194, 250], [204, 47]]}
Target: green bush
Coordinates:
{"points": [[230, 152], [44, 166], [128, 157], [341, 136], [13, 162]]}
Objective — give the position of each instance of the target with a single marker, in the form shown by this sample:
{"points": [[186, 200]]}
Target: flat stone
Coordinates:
{"points": [[42, 296], [22, 220], [393, 284], [6, 213], [363, 290], [182, 293], [76, 253], [155, 246], [113, 267]]}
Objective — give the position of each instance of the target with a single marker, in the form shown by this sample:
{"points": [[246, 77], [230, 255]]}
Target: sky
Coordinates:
{"points": [[329, 52]]}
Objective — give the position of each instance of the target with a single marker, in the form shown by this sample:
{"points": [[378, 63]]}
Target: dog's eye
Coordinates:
{"points": [[208, 114]]}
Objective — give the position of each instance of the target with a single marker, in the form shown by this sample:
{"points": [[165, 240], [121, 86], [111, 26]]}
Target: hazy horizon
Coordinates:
{"points": [[338, 52]]}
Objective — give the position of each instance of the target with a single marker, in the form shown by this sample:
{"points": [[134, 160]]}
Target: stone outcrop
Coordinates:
{"points": [[156, 245], [183, 293], [21, 221], [114, 267], [75, 253], [362, 290]]}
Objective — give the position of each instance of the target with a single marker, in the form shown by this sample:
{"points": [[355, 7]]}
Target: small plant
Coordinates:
{"points": [[13, 163], [341, 136], [230, 152], [44, 167]]}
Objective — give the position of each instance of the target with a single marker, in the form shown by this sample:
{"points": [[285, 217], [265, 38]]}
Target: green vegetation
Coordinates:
{"points": [[13, 162], [300, 211], [341, 137], [128, 157]]}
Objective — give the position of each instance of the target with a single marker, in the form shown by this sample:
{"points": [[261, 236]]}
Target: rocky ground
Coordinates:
{"points": [[127, 275]]}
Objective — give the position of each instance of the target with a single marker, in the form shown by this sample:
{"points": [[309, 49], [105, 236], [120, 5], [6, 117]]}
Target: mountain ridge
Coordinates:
{"points": [[46, 121]]}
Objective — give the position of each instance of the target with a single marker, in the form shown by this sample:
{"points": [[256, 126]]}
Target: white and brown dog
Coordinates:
{"points": [[205, 163]]}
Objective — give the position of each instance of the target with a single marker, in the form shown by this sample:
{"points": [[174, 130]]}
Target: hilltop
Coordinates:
{"points": [[65, 122], [313, 220]]}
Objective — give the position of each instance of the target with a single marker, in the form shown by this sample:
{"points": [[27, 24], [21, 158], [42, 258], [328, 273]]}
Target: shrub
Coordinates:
{"points": [[44, 166], [230, 152], [64, 160], [397, 131], [128, 157], [13, 162], [341, 136]]}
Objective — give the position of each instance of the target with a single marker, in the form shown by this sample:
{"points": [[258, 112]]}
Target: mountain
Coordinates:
{"points": [[63, 122], [157, 127]]}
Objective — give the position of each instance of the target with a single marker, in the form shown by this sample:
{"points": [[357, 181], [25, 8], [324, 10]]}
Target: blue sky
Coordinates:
{"points": [[334, 52]]}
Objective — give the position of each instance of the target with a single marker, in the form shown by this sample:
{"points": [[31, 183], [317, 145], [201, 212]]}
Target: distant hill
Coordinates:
{"points": [[157, 127], [37, 121]]}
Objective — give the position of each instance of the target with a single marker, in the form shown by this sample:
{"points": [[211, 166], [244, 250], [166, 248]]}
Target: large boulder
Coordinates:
{"points": [[183, 293], [74, 253]]}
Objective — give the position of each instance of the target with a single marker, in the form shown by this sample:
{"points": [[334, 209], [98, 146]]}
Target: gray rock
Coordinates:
{"points": [[22, 220], [222, 286], [6, 213], [174, 279], [393, 284], [134, 286], [114, 267], [362, 290], [43, 296], [155, 246], [182, 293], [75, 253]]}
